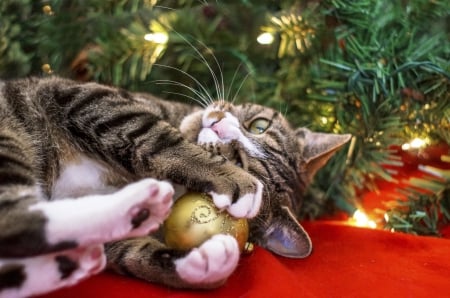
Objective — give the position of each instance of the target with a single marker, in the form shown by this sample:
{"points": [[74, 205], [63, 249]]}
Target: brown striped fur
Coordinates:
{"points": [[47, 123]]}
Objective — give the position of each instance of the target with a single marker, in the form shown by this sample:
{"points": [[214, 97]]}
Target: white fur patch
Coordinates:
{"points": [[246, 206], [102, 218], [212, 262], [80, 177], [43, 275]]}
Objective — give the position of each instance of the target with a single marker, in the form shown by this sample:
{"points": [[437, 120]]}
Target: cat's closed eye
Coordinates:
{"points": [[259, 125]]}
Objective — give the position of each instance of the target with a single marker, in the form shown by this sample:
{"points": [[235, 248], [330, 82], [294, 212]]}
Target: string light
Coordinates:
{"points": [[47, 9], [360, 219], [47, 68], [265, 38], [157, 37], [415, 144]]}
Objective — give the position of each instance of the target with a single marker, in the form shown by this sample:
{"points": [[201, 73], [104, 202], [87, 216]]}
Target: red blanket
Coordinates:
{"points": [[346, 262]]}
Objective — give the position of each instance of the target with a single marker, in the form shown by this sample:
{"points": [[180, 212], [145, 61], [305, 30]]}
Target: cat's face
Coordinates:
{"points": [[284, 159]]}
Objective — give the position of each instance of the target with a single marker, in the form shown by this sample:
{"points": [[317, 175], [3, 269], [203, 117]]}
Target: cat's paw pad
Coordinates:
{"points": [[46, 273], [148, 204], [246, 206], [80, 263], [211, 263]]}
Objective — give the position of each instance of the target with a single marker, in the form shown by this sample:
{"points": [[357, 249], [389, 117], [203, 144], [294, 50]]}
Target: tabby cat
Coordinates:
{"points": [[87, 172]]}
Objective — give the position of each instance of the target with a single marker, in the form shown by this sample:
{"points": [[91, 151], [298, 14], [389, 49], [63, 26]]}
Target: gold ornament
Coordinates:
{"points": [[194, 219]]}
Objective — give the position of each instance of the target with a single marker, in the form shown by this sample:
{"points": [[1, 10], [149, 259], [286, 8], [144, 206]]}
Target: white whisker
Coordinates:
{"points": [[164, 7], [240, 86], [203, 59], [218, 80], [201, 98], [175, 83], [283, 109], [232, 81], [187, 96], [217, 83], [200, 85]]}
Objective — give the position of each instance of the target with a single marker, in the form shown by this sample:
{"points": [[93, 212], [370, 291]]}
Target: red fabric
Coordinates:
{"points": [[346, 262]]}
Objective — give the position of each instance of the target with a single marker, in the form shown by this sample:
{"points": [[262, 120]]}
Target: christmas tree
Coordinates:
{"points": [[377, 69]]}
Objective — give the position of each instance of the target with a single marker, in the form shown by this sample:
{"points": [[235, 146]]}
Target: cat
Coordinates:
{"points": [[87, 171]]}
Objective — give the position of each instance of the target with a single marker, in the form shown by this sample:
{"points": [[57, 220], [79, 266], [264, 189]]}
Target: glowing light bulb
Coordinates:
{"points": [[265, 38], [415, 144], [360, 219], [157, 37]]}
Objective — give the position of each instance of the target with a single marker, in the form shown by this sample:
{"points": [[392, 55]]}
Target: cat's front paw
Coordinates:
{"points": [[211, 263], [247, 204]]}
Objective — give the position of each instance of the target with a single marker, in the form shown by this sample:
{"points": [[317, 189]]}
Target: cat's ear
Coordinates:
{"points": [[286, 237], [317, 149]]}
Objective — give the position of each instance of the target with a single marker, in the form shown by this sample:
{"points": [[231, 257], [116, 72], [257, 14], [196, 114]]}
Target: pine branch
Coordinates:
{"points": [[427, 208], [17, 38], [380, 76]]}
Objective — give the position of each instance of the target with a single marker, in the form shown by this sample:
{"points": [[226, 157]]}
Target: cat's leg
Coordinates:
{"points": [[31, 226], [21, 231], [41, 274], [207, 266], [135, 137], [135, 210]]}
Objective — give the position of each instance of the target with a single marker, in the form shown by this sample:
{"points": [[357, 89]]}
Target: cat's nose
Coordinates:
{"points": [[214, 117]]}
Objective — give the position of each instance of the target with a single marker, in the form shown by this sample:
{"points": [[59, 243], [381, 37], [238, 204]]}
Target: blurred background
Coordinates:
{"points": [[377, 69]]}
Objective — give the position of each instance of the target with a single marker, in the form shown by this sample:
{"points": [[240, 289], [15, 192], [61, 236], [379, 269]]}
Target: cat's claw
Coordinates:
{"points": [[211, 263], [246, 206]]}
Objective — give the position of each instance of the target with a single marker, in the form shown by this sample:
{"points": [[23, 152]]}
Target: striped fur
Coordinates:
{"points": [[60, 139]]}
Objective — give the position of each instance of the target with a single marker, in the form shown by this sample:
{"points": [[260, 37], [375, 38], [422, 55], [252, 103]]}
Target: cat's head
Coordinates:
{"points": [[284, 159]]}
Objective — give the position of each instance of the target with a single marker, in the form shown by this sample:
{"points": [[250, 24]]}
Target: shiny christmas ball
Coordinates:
{"points": [[194, 219]]}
